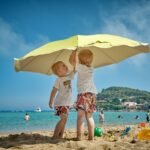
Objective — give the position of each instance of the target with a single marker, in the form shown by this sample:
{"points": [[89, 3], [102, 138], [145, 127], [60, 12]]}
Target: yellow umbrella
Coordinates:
{"points": [[107, 49]]}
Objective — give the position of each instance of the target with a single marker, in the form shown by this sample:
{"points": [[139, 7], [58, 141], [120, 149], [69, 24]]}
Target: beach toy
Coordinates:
{"points": [[144, 134], [98, 132], [142, 124], [126, 131], [112, 138]]}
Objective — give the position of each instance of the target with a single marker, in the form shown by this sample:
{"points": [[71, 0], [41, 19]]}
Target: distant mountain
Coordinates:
{"points": [[117, 94]]}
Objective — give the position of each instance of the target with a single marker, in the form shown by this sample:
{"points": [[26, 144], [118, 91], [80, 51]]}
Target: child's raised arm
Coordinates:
{"points": [[53, 93], [73, 58]]}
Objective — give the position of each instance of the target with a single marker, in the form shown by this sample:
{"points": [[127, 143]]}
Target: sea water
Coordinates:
{"points": [[14, 121]]}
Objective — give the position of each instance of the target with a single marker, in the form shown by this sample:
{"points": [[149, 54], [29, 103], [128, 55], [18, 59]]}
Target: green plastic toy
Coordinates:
{"points": [[98, 132]]}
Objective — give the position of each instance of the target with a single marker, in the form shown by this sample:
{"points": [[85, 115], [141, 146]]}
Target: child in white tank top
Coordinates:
{"points": [[86, 99]]}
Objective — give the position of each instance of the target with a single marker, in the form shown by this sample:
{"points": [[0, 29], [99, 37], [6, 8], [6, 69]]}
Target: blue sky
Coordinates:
{"points": [[27, 24]]}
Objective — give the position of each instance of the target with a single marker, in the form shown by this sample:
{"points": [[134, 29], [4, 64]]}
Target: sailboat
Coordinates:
{"points": [[38, 109]]}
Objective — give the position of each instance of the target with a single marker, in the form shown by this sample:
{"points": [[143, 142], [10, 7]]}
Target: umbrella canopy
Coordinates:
{"points": [[107, 49]]}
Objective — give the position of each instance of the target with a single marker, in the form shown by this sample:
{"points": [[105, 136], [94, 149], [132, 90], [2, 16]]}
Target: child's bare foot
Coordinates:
{"points": [[56, 138], [90, 138]]}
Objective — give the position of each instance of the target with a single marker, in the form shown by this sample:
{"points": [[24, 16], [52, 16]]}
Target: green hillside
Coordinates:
{"points": [[114, 96]]}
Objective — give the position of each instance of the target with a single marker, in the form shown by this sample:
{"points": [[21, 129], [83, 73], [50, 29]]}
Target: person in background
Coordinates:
{"points": [[101, 116], [148, 116], [27, 117], [120, 117], [136, 117]]}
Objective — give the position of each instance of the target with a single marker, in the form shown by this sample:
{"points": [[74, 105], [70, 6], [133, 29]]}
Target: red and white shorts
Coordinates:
{"points": [[87, 102], [61, 110]]}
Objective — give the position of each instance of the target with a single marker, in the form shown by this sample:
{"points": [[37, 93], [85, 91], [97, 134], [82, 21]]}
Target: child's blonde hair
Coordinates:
{"points": [[54, 67], [85, 53]]}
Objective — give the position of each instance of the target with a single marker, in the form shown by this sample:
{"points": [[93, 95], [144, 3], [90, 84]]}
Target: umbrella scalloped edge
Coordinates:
{"points": [[16, 64]]}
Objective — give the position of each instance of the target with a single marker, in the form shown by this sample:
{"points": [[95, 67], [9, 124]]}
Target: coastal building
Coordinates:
{"points": [[101, 101], [130, 105]]}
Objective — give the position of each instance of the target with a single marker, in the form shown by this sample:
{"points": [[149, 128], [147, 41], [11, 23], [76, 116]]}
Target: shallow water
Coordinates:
{"points": [[14, 121]]}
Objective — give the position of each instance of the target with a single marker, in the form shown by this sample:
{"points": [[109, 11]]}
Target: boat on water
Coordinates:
{"points": [[38, 109]]}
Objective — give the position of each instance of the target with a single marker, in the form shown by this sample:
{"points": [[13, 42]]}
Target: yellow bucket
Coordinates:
{"points": [[144, 134]]}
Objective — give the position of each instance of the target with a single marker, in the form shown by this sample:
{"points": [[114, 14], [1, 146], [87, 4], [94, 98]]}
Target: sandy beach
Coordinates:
{"points": [[41, 140]]}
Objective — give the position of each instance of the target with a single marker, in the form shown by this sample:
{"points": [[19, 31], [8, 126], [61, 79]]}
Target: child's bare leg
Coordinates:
{"points": [[80, 123], [64, 116], [91, 125], [60, 126]]}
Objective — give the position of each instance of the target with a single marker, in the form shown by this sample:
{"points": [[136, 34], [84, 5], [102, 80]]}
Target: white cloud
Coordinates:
{"points": [[139, 61], [131, 21], [14, 43]]}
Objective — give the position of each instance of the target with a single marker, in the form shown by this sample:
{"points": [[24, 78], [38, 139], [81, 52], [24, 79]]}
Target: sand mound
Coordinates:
{"points": [[111, 140]]}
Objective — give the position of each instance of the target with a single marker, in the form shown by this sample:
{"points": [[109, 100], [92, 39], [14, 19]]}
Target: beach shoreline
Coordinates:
{"points": [[67, 129], [111, 140]]}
